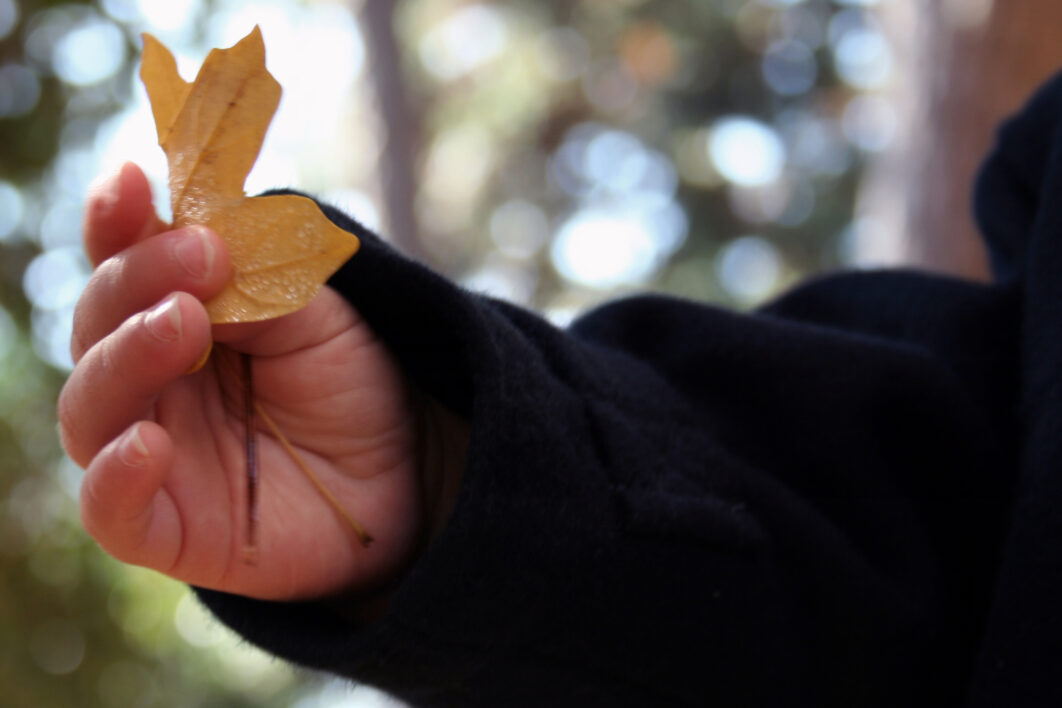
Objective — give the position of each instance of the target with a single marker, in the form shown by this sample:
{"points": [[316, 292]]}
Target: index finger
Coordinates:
{"points": [[118, 213]]}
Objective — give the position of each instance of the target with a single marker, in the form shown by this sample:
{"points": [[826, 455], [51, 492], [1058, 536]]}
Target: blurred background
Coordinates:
{"points": [[552, 153]]}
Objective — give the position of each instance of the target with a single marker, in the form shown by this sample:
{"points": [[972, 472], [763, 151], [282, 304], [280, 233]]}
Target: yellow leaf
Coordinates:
{"points": [[282, 247]]}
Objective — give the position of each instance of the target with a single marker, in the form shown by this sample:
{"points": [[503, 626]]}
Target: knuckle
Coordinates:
{"points": [[79, 340], [71, 436], [77, 406], [107, 358], [91, 506], [98, 518], [94, 308]]}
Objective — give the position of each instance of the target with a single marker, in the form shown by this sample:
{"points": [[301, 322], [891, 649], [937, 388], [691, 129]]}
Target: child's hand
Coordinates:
{"points": [[165, 456]]}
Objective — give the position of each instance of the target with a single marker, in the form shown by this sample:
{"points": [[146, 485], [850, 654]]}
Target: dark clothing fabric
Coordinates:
{"points": [[852, 497]]}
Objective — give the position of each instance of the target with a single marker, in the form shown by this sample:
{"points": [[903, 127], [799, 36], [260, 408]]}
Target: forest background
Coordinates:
{"points": [[551, 153]]}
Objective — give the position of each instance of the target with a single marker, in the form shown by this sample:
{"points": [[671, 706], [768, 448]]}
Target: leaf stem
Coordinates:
{"points": [[363, 536], [250, 544]]}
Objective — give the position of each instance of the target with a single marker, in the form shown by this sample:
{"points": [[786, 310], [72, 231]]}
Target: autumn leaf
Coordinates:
{"points": [[282, 247]]}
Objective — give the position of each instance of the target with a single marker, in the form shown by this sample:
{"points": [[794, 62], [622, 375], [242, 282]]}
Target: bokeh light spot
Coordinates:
{"points": [[89, 53], [862, 55], [10, 210], [121, 10], [749, 268], [470, 37], [51, 336], [602, 251], [8, 17], [746, 151], [61, 226], [55, 278], [615, 159], [166, 16]]}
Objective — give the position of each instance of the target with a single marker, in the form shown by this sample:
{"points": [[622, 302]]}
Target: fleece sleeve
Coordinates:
{"points": [[669, 504], [1018, 210]]}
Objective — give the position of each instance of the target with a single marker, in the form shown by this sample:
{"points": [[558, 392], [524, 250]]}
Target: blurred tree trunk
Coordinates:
{"points": [[398, 181], [970, 64]]}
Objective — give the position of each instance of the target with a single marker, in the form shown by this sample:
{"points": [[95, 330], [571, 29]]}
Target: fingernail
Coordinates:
{"points": [[195, 252], [164, 322], [131, 448]]}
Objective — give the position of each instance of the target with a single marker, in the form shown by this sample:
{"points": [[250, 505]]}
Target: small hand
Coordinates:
{"points": [[164, 451]]}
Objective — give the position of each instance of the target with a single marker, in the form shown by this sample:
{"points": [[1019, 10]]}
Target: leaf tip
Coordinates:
{"points": [[253, 42]]}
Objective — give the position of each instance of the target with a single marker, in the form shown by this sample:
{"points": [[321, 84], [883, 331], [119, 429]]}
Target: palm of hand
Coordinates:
{"points": [[333, 390]]}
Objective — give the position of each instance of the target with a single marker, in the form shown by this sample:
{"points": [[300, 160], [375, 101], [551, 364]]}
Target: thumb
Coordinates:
{"points": [[123, 503]]}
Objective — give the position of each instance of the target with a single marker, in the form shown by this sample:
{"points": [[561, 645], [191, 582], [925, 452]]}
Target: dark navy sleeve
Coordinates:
{"points": [[671, 504], [1019, 210]]}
